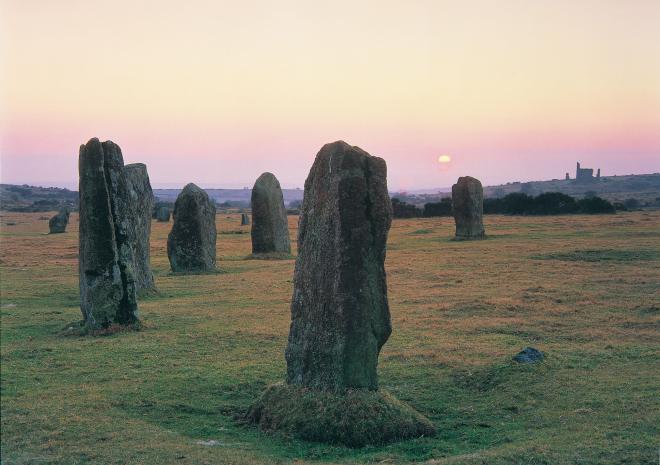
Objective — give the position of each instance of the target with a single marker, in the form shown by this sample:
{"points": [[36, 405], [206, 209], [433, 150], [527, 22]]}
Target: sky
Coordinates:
{"points": [[217, 92]]}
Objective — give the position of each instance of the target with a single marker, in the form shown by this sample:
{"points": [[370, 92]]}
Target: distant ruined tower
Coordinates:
{"points": [[567, 177], [585, 174]]}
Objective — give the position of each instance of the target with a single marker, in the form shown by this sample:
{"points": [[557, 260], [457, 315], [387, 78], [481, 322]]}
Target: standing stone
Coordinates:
{"points": [[270, 227], [245, 219], [106, 264], [163, 214], [467, 197], [57, 224], [191, 243], [340, 316], [141, 199]]}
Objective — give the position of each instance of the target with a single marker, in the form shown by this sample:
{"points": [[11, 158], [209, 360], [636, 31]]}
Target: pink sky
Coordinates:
{"points": [[218, 92]]}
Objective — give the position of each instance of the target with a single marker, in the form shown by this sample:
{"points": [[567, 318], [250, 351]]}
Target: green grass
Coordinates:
{"points": [[210, 344]]}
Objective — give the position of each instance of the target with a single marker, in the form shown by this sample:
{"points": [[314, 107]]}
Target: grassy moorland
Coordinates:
{"points": [[584, 289]]}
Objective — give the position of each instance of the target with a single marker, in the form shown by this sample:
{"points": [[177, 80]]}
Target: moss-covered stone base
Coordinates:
{"points": [[355, 419]]}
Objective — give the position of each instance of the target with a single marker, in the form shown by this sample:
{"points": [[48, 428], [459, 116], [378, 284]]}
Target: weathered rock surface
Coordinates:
{"points": [[141, 201], [270, 227], [106, 264], [529, 355], [163, 214], [58, 223], [245, 219], [340, 316], [467, 197], [191, 243]]}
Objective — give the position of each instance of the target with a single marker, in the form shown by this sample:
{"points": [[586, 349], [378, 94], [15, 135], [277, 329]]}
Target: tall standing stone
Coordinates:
{"points": [[467, 197], [141, 199], [191, 243], [270, 227], [340, 316], [245, 219], [106, 264], [58, 223]]}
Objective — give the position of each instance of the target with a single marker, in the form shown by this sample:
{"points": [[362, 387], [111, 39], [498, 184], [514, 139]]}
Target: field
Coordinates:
{"points": [[583, 289]]}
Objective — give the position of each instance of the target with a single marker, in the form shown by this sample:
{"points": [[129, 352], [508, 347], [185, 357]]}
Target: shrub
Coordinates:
{"points": [[554, 203], [442, 208], [595, 205], [404, 210]]}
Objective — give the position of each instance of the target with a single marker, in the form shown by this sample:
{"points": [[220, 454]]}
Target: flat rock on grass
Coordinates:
{"points": [[529, 355]]}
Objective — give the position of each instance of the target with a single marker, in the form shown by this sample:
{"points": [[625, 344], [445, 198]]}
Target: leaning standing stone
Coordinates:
{"points": [[270, 227], [142, 204], [106, 264], [58, 223], [467, 197], [191, 243]]}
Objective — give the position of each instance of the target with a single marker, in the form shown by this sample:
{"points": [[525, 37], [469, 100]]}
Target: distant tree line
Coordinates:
{"points": [[517, 203], [548, 203]]}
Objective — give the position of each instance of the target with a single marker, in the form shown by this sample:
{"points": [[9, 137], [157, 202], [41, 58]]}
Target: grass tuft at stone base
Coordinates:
{"points": [[356, 418]]}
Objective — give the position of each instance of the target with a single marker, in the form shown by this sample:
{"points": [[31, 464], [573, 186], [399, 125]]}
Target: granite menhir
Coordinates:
{"points": [[467, 198], [270, 227], [106, 261], [191, 243], [340, 316], [58, 223], [141, 199]]}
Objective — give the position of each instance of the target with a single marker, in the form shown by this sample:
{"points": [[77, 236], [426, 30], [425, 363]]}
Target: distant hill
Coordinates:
{"points": [[41, 199], [643, 187], [235, 197], [36, 199]]}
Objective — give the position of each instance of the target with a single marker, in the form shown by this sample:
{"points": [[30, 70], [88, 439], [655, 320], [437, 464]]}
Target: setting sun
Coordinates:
{"points": [[444, 159]]}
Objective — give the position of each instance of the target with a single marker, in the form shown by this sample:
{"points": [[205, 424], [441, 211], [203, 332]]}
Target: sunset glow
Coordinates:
{"points": [[218, 92]]}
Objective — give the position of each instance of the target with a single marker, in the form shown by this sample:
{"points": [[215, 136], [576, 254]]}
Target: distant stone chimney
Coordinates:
{"points": [[567, 177], [598, 174]]}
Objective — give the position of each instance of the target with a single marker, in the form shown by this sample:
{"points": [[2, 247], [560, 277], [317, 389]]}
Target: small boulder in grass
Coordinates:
{"points": [[529, 355]]}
